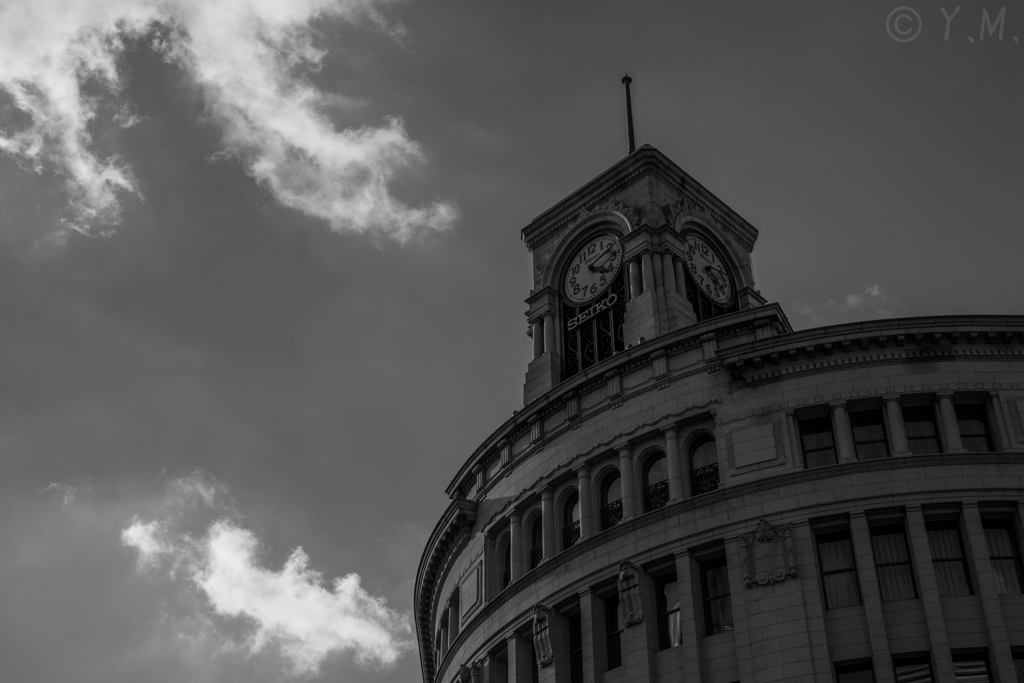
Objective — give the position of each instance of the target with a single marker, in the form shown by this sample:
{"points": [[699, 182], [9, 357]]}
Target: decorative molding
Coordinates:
{"points": [[630, 610], [542, 635], [613, 383], [768, 554], [659, 363]]}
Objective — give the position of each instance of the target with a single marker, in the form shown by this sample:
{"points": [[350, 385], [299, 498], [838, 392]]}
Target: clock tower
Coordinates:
{"points": [[641, 251]]}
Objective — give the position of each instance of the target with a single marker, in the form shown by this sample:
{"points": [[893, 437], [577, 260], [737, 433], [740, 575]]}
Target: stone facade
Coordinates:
{"points": [[725, 499]]}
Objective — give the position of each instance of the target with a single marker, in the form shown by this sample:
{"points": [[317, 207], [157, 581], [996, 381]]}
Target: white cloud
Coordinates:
{"points": [[873, 302], [292, 611], [61, 65]]}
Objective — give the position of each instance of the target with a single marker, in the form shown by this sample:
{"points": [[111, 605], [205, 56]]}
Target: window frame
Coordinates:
{"points": [[664, 611], [571, 528], [979, 412], [612, 632], [801, 422], [853, 667], [1007, 524], [830, 536], [916, 659], [947, 525], [610, 512], [972, 656], [885, 529], [654, 495], [706, 566], [860, 415], [575, 628], [925, 410], [697, 489]]}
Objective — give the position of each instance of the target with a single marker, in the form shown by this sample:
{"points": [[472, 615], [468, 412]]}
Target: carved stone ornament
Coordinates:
{"points": [[465, 674], [768, 554], [542, 635], [630, 611]]}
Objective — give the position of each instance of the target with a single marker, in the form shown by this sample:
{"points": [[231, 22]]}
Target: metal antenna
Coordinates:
{"points": [[629, 114]]}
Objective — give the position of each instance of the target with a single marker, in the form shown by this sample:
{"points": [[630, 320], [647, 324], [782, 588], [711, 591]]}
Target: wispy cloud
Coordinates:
{"points": [[292, 609], [873, 302], [61, 65]]}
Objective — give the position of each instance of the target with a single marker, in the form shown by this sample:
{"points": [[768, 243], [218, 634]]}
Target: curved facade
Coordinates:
{"points": [[695, 492]]}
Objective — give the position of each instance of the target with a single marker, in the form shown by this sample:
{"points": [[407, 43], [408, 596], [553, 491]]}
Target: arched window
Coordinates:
{"points": [[536, 542], [655, 483], [571, 516], [703, 466], [611, 501]]}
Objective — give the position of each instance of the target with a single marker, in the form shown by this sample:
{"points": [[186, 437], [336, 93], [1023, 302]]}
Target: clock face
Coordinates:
{"points": [[592, 269], [708, 270]]}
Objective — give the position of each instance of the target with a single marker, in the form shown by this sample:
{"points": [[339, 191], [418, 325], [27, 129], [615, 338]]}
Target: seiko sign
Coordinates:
{"points": [[586, 315]]}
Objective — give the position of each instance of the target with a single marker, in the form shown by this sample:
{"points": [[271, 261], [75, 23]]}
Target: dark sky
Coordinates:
{"points": [[222, 353]]}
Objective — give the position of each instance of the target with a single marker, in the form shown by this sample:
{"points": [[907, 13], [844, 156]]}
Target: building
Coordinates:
{"points": [[695, 492]]}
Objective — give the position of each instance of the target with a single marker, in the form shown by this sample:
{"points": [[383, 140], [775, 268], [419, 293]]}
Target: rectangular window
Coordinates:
{"points": [[1004, 553], [869, 435], [838, 572], [859, 672], [892, 559], [819, 445], [922, 432], [575, 648], [971, 668], [974, 432], [948, 558], [912, 668], [1018, 662], [613, 632], [714, 576], [666, 592]]}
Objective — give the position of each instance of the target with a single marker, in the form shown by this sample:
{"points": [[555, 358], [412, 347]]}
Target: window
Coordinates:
{"points": [[536, 542], [948, 558], [589, 336], [818, 444], [571, 530], [854, 672], [714, 578], [703, 467], [974, 432], [869, 435], [912, 668], [1018, 662], [613, 632], [1005, 555], [666, 594], [611, 501], [506, 575], [575, 648], [895, 578], [838, 572], [655, 483], [971, 667], [922, 432]]}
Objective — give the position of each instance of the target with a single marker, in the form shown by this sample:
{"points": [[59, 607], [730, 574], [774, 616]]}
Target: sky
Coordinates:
{"points": [[261, 279]]}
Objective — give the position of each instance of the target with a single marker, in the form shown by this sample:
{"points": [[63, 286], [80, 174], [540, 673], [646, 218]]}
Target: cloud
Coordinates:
{"points": [[62, 67], [291, 610], [873, 302]]}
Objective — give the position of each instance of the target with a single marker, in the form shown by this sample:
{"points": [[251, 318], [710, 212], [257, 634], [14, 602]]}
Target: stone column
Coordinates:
{"points": [[549, 332], [897, 430], [516, 544], [626, 474], [520, 668], [689, 616], [844, 436], [589, 613], [669, 272], [917, 536], [675, 464], [547, 512], [950, 428], [538, 337], [648, 273], [870, 593], [584, 489], [988, 590], [635, 281]]}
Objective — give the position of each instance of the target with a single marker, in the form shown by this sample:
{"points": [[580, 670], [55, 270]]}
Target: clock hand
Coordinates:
{"points": [[595, 269]]}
